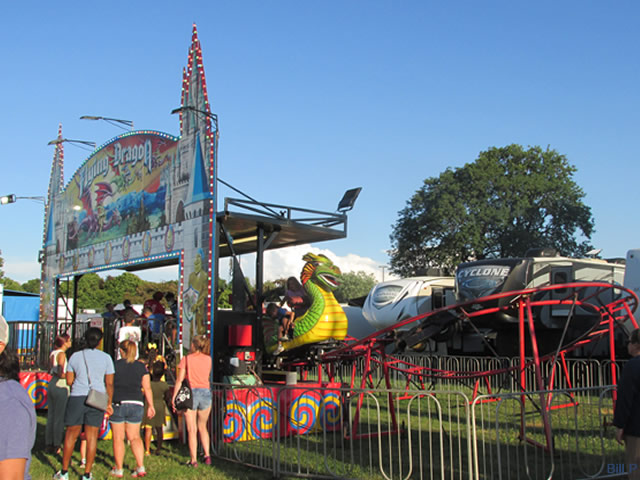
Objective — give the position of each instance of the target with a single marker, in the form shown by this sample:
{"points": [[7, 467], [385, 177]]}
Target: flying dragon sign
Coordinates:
{"points": [[121, 190], [144, 197]]}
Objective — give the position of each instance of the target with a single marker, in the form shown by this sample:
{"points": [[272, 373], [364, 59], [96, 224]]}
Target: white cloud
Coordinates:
{"points": [[280, 263], [287, 262]]}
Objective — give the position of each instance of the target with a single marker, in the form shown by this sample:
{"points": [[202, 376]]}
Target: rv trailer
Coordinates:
{"points": [[395, 300], [538, 268]]}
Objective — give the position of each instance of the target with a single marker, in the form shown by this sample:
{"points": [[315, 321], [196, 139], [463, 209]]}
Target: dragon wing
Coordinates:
{"points": [[103, 190]]}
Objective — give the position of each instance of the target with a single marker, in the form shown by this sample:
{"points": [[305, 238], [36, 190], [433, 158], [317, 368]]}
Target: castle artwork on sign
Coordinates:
{"points": [[143, 199]]}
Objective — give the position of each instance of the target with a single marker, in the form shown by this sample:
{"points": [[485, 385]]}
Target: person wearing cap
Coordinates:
{"points": [[17, 415]]}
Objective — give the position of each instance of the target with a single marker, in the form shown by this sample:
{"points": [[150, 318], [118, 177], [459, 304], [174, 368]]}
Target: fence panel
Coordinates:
{"points": [[510, 439], [329, 432]]}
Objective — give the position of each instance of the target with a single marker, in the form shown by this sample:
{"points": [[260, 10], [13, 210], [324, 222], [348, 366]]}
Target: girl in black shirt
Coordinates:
{"points": [[131, 387]]}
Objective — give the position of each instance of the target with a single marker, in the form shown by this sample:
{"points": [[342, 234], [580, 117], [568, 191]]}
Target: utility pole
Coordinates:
{"points": [[383, 267]]}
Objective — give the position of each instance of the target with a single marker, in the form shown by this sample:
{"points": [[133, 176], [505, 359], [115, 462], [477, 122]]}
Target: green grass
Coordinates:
{"points": [[168, 466], [434, 420]]}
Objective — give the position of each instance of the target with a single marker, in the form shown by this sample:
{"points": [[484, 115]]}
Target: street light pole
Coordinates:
{"points": [[58, 141], [189, 108], [383, 267], [11, 198], [118, 122]]}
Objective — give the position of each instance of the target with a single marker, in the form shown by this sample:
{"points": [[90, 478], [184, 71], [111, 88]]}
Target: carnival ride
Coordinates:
{"points": [[324, 320], [379, 351]]}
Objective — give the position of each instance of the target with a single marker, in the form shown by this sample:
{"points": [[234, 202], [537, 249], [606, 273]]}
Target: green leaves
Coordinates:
{"points": [[95, 292], [354, 285], [507, 201]]}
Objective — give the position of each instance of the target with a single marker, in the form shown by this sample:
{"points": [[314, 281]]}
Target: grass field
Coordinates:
{"points": [[168, 466], [436, 437]]}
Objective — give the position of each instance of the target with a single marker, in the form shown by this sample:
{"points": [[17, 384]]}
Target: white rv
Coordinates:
{"points": [[395, 300]]}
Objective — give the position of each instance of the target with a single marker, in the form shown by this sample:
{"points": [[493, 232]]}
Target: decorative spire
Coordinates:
{"points": [[194, 90], [198, 121], [56, 184]]}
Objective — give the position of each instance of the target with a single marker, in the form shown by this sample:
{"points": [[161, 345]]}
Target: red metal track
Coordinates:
{"points": [[584, 295]]}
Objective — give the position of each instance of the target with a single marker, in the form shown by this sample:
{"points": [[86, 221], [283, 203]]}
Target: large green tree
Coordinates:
{"points": [[32, 286], [354, 285], [11, 284], [508, 200]]}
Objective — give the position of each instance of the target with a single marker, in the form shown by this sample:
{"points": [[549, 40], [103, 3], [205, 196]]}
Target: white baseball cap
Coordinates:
{"points": [[4, 331]]}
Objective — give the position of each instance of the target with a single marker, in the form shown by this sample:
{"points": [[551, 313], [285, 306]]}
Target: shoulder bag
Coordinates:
{"points": [[184, 397], [95, 398]]}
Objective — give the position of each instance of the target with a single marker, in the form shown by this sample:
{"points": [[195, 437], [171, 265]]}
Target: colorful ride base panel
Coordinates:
{"points": [[36, 384], [264, 411]]}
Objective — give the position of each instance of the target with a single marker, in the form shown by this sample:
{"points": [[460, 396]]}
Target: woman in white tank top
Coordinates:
{"points": [[57, 394]]}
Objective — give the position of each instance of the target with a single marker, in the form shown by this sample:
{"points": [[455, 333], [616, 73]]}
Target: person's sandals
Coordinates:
{"points": [[207, 460], [192, 464]]}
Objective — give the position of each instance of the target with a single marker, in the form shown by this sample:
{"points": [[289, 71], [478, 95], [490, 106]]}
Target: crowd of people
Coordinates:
{"points": [[152, 324], [137, 399], [133, 380]]}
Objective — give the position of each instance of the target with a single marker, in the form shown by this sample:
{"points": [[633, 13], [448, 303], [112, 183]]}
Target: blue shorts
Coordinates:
{"points": [[201, 398], [77, 413], [127, 413]]}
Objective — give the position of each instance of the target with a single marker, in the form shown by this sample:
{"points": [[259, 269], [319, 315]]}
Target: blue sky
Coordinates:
{"points": [[318, 97]]}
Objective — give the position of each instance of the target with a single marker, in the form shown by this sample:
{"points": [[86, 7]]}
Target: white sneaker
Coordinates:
{"points": [[118, 473], [279, 350], [140, 472], [59, 476]]}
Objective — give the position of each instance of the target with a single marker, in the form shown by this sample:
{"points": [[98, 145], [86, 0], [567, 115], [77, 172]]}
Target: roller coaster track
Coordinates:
{"points": [[605, 320]]}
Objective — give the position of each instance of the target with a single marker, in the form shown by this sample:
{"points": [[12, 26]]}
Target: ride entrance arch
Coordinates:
{"points": [[146, 199]]}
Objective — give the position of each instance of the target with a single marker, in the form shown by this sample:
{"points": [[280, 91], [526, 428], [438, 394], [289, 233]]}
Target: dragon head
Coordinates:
{"points": [[321, 271]]}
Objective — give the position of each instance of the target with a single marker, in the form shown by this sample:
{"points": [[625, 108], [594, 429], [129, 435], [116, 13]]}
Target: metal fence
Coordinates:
{"points": [[434, 427], [33, 341], [397, 434], [487, 374]]}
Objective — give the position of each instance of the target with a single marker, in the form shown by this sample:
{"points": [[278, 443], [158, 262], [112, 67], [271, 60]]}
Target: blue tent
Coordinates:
{"points": [[20, 306]]}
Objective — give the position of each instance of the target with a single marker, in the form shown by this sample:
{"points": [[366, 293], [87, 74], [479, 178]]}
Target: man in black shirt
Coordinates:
{"points": [[626, 417]]}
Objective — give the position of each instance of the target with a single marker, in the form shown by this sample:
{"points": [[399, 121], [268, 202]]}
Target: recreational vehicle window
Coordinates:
{"points": [[437, 298], [560, 275]]}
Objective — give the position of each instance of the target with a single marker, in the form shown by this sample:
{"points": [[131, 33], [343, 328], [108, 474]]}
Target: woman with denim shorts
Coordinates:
{"points": [[131, 386], [87, 369], [196, 367]]}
